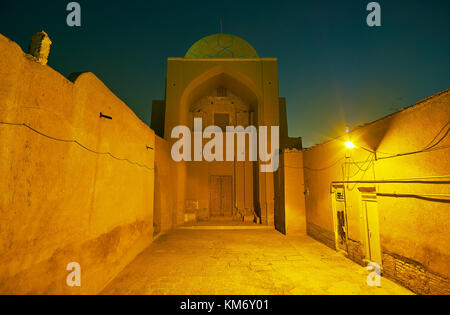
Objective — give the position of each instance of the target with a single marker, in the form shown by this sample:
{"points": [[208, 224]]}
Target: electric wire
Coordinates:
{"points": [[368, 160], [370, 165], [429, 148], [325, 168], [440, 140], [79, 144], [440, 131]]}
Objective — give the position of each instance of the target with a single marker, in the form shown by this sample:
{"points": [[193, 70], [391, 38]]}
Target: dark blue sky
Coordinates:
{"points": [[333, 69]]}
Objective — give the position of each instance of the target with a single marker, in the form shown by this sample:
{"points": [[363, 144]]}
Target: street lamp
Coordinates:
{"points": [[350, 145]]}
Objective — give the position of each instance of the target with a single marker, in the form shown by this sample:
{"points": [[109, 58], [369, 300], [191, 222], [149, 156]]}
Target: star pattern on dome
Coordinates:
{"points": [[221, 46]]}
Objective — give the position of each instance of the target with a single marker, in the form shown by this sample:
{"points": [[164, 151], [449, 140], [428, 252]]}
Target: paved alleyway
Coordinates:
{"points": [[242, 262]]}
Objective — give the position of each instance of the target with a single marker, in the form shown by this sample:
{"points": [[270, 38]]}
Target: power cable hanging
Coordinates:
{"points": [[370, 161], [443, 128], [440, 140], [428, 148], [79, 144], [325, 168]]}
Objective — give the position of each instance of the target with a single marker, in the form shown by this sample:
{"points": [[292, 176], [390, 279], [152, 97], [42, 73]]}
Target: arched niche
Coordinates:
{"points": [[205, 88]]}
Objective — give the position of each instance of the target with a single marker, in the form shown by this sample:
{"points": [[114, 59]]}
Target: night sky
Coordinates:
{"points": [[334, 70]]}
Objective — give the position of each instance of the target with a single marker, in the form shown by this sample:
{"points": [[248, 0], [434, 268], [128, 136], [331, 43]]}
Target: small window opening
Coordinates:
{"points": [[221, 92]]}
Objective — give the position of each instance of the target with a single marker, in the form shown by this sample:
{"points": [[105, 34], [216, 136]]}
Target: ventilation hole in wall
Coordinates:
{"points": [[222, 92]]}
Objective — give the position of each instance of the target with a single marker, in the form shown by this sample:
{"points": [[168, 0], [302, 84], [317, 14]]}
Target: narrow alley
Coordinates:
{"points": [[242, 262]]}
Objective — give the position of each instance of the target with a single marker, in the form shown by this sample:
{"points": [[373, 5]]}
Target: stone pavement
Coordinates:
{"points": [[242, 262]]}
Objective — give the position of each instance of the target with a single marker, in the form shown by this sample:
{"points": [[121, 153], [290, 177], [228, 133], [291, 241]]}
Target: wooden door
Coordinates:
{"points": [[221, 196], [340, 219], [373, 231], [227, 196]]}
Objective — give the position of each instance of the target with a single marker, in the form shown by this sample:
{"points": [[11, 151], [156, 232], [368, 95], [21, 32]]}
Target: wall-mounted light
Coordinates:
{"points": [[350, 145]]}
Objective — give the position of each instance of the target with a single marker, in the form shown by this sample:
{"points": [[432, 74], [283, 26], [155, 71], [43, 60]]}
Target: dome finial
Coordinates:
{"points": [[221, 26]]}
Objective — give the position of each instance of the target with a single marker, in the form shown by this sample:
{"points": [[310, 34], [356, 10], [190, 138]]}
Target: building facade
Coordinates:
{"points": [[223, 81], [386, 198]]}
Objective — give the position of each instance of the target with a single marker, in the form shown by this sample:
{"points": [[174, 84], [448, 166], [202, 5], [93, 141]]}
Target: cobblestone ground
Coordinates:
{"points": [[242, 262]]}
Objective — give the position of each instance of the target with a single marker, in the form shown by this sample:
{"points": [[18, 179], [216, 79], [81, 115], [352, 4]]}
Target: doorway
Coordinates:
{"points": [[221, 196], [340, 218], [371, 226]]}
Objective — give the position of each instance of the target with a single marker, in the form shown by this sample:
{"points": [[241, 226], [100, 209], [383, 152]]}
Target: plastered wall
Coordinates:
{"points": [[290, 201], [61, 202], [414, 215], [168, 214], [294, 192]]}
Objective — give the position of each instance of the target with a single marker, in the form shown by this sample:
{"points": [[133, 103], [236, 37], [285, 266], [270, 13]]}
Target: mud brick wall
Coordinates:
{"points": [[320, 234], [414, 275]]}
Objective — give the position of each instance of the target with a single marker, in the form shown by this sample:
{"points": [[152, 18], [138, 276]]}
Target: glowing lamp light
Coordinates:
{"points": [[350, 145]]}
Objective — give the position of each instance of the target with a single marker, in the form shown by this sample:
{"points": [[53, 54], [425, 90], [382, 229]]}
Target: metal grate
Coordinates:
{"points": [[340, 196], [222, 92]]}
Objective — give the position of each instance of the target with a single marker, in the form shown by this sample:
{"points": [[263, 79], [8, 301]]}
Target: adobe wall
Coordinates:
{"points": [[290, 216], [414, 214], [167, 214], [294, 192], [60, 202]]}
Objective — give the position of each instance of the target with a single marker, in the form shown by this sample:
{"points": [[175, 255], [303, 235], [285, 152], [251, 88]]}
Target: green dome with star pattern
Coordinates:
{"points": [[221, 46]]}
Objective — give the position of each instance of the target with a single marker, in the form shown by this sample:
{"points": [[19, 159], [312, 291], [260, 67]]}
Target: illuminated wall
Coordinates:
{"points": [[290, 202], [166, 214], [60, 202], [412, 192]]}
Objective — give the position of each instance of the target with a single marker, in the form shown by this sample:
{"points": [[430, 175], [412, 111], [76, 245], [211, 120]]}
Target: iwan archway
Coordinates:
{"points": [[233, 87], [221, 190]]}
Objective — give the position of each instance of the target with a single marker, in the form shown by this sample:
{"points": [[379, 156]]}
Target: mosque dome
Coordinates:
{"points": [[221, 46]]}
